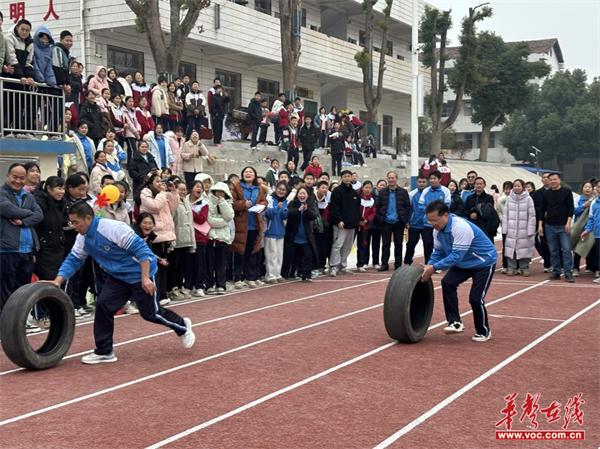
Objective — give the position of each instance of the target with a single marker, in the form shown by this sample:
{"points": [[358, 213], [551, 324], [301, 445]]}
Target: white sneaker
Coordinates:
{"points": [[176, 295], [220, 291], [332, 272], [260, 283], [345, 270], [93, 358], [239, 285], [188, 339], [597, 281], [377, 267], [454, 328], [164, 301], [481, 338], [83, 313], [252, 284], [31, 327], [211, 291], [361, 269], [130, 308], [198, 293], [187, 294]]}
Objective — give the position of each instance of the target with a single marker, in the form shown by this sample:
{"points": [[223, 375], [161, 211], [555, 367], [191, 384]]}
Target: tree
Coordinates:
{"points": [[167, 51], [364, 59], [290, 21], [505, 85], [463, 78], [448, 138], [562, 119]]}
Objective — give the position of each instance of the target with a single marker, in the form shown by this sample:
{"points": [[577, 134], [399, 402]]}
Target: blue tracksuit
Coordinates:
{"points": [[275, 218], [417, 211], [593, 223], [430, 195]]}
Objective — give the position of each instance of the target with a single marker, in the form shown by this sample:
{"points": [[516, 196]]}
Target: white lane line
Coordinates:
{"points": [[428, 414], [215, 320], [274, 394], [527, 318], [221, 354]]}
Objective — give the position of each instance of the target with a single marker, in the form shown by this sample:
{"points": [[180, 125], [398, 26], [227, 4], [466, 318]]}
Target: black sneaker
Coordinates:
{"points": [[383, 268], [570, 279], [553, 277]]}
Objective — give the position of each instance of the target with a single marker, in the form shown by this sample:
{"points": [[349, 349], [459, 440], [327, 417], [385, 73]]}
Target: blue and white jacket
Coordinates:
{"points": [[276, 217], [593, 223], [417, 212], [462, 244], [430, 195], [115, 247]]}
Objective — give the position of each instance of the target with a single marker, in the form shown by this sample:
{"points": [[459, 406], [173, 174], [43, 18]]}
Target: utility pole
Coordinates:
{"points": [[414, 97]]}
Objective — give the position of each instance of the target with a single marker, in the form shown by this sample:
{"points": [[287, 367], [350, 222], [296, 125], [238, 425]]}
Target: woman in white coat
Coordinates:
{"points": [[519, 226]]}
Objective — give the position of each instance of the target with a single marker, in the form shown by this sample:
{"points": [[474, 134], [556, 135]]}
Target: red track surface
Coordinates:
{"points": [[247, 383]]}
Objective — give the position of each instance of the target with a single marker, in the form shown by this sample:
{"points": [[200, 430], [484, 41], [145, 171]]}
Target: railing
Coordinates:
{"points": [[30, 111]]}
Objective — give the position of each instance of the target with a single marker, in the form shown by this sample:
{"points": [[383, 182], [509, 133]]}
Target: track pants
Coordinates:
{"points": [[114, 295], [482, 279], [342, 245], [273, 257]]}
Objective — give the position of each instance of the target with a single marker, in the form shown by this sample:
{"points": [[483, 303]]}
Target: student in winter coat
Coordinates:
{"points": [[160, 147], [160, 103], [91, 114], [336, 141], [272, 174], [193, 154], [416, 223], [61, 58], [99, 170], [217, 113], [429, 166], [144, 117], [119, 210], [42, 57], [116, 88], [435, 192], [99, 82], [519, 226], [140, 167], [254, 118], [375, 228], [500, 202], [18, 60], [182, 248], [585, 200], [248, 228], [195, 106], [175, 106], [291, 141], [367, 216], [176, 141], [161, 204], [140, 90], [196, 277], [314, 168], [321, 124], [301, 248], [323, 230], [276, 214], [133, 129], [456, 204], [50, 231], [309, 139], [220, 220], [83, 158], [114, 156]]}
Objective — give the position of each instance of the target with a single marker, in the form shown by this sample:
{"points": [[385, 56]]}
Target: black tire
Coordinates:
{"points": [[408, 305], [15, 343]]}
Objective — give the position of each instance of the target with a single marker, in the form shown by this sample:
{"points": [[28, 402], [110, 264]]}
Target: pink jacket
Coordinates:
{"points": [[161, 207], [97, 84], [176, 148], [133, 128]]}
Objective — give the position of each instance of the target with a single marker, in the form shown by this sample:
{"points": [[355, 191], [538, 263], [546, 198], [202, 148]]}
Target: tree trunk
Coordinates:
{"points": [[290, 43], [484, 143], [436, 140]]}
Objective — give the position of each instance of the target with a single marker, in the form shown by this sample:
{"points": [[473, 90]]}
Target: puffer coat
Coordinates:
{"points": [[519, 225]]}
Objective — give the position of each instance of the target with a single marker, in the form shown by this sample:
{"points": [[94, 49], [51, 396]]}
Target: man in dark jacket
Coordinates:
{"points": [[345, 218], [481, 211], [217, 113], [254, 117], [541, 243], [393, 210], [309, 137], [91, 114], [61, 58], [19, 213], [141, 164]]}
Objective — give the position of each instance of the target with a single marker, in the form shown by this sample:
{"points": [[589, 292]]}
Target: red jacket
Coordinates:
{"points": [[146, 122], [284, 118], [315, 171], [446, 175], [367, 211], [200, 217]]}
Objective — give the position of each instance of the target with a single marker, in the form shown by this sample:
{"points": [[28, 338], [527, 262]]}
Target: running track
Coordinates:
{"points": [[310, 366]]}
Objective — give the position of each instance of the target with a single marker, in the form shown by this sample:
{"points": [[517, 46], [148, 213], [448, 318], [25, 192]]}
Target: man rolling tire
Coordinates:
{"points": [[130, 266], [466, 252]]}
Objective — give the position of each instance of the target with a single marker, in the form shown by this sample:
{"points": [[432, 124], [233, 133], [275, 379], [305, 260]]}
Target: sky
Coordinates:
{"points": [[576, 24]]}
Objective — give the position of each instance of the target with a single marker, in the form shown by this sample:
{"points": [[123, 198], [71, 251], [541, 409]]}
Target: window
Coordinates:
{"points": [[232, 85], [304, 17], [447, 108], [269, 90], [492, 142], [468, 108], [468, 140], [124, 61], [400, 57], [352, 41], [187, 68], [361, 38], [263, 6], [303, 92], [376, 50], [388, 130], [310, 108], [389, 48]]}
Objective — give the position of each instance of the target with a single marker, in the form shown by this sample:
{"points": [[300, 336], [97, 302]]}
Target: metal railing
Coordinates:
{"points": [[32, 111]]}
